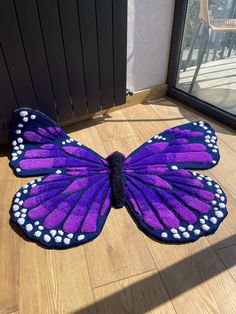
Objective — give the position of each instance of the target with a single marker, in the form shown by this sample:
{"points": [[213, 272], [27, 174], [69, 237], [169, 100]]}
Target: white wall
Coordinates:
{"points": [[149, 34]]}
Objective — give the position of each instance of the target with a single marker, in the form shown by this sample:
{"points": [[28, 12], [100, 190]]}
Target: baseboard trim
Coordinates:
{"points": [[138, 97]]}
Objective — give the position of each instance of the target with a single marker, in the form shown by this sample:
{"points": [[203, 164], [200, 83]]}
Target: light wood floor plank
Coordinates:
{"points": [[54, 281], [195, 278], [228, 257], [139, 294], [9, 244]]}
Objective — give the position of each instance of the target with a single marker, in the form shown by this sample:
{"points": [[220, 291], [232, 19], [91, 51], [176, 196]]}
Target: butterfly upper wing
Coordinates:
{"points": [[41, 147], [69, 206], [188, 146], [168, 202]]}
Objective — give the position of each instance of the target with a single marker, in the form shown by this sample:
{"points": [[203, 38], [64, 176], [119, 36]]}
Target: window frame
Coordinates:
{"points": [[210, 110]]}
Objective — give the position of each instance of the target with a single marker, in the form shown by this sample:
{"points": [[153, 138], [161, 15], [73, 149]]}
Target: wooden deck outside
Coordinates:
{"points": [[216, 83], [123, 271]]}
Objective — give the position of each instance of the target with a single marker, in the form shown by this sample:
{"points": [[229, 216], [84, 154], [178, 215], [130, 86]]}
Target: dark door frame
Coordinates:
{"points": [[175, 51]]}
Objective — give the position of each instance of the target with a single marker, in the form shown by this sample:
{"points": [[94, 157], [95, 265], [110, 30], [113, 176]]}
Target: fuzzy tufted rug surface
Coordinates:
{"points": [[69, 205]]}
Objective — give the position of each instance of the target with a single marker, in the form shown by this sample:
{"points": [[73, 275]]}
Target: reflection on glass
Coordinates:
{"points": [[207, 67]]}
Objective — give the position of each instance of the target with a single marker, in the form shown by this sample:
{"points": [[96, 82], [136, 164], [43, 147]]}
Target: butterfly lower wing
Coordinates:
{"points": [[41, 147], [176, 206], [188, 146], [63, 209]]}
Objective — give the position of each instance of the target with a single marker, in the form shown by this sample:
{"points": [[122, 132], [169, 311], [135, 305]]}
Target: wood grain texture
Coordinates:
{"points": [[123, 271], [9, 243], [138, 294]]}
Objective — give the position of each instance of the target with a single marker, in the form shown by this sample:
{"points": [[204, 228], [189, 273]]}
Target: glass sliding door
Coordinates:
{"points": [[202, 67]]}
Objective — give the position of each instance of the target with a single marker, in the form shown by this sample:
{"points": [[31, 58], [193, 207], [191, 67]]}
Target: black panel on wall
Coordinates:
{"points": [[66, 58]]}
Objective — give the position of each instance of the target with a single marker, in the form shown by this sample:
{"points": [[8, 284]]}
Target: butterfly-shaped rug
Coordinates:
{"points": [[69, 205]]}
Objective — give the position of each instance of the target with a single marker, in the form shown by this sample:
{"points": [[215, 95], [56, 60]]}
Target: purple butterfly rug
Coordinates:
{"points": [[69, 205]]}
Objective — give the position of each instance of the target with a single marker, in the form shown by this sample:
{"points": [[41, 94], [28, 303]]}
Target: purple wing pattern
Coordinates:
{"points": [[41, 147], [63, 209], [168, 202], [189, 146], [69, 206], [175, 205]]}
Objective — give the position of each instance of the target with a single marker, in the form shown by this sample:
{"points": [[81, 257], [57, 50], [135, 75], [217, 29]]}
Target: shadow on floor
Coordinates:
{"points": [[184, 275]]}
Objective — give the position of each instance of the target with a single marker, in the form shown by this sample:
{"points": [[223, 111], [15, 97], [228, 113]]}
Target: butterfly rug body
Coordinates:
{"points": [[69, 205]]}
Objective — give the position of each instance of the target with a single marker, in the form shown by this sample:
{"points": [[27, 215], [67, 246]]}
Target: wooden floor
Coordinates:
{"points": [[216, 83], [123, 271]]}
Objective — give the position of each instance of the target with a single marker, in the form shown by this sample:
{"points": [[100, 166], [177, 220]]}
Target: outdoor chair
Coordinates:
{"points": [[206, 26]]}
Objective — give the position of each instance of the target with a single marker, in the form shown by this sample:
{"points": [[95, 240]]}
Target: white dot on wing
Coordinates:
{"points": [[58, 239], [80, 237], [53, 232], [29, 227], [176, 236], [213, 220], [222, 205], [186, 235], [219, 214], [15, 207], [190, 227], [47, 238], [21, 221], [66, 241], [205, 227], [37, 233], [23, 113]]}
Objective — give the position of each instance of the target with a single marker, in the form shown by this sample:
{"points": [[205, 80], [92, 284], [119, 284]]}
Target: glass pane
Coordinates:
{"points": [[207, 67]]}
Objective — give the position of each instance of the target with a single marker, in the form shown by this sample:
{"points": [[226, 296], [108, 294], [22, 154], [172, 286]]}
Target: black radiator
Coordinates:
{"points": [[66, 58]]}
